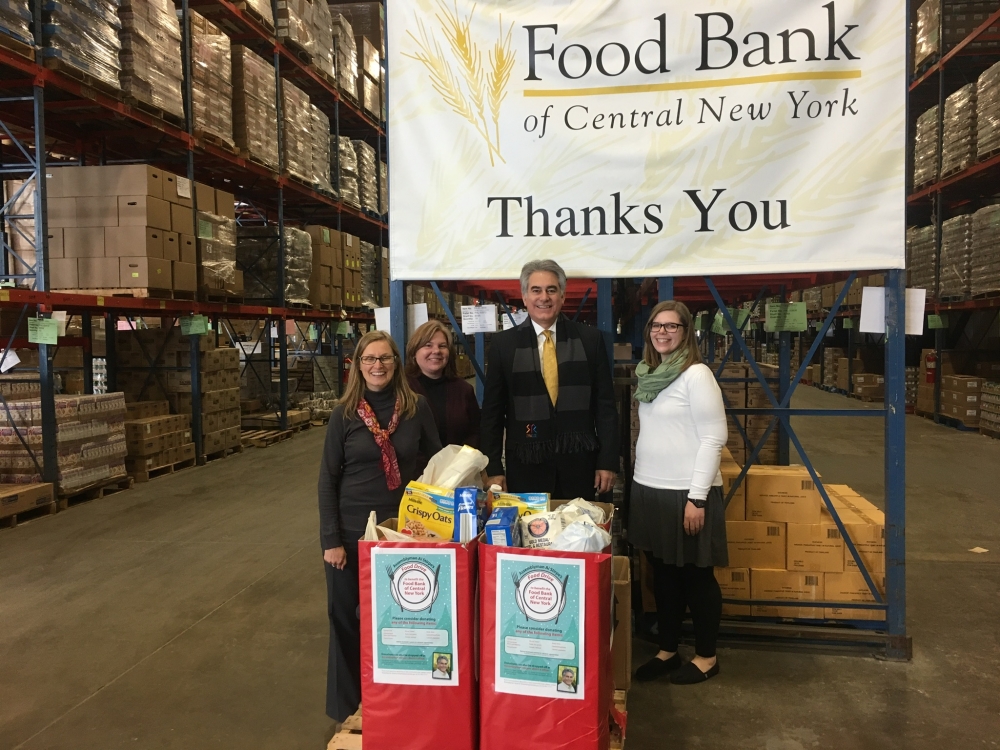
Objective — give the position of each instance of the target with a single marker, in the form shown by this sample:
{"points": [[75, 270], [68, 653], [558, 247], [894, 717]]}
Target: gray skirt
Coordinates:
{"points": [[656, 526]]}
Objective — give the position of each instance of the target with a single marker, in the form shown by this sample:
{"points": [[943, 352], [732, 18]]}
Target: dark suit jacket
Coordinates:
{"points": [[498, 398]]}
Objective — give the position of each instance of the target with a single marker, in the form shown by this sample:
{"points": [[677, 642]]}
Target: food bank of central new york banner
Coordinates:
{"points": [[644, 138]]}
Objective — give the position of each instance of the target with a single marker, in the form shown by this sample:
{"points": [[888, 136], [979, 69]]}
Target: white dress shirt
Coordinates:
{"points": [[540, 334]]}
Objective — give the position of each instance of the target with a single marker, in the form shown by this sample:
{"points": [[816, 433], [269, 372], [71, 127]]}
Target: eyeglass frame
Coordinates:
{"points": [[655, 327], [372, 359]]}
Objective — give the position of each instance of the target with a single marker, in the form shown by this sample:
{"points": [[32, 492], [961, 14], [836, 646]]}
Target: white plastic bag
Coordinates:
{"points": [[581, 535], [595, 512], [455, 466]]}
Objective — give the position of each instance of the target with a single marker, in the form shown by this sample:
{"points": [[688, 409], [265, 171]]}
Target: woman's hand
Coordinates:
{"points": [[694, 519], [337, 557]]}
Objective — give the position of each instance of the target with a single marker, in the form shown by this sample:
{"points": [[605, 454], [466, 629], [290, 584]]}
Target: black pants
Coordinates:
{"points": [[343, 675], [677, 588], [565, 477]]}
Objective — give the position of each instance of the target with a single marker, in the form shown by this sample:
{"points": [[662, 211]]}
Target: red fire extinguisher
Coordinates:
{"points": [[931, 367]]}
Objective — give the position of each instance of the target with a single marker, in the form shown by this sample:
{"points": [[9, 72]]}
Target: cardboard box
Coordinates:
{"points": [[181, 219], [814, 547], [961, 412], [145, 445], [184, 276], [851, 587], [84, 242], [97, 211], [133, 241], [145, 273], [786, 585], [171, 246], [225, 204], [98, 273], [988, 370], [143, 211], [62, 212], [867, 378], [964, 383], [756, 544], [621, 624], [205, 197], [177, 189], [18, 498], [968, 399], [782, 493], [188, 249], [63, 273], [735, 584], [127, 179], [737, 508]]}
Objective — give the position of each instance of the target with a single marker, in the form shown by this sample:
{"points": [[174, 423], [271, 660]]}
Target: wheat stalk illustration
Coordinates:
{"points": [[501, 65], [447, 84]]}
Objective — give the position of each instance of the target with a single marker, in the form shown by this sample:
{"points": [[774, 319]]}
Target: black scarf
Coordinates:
{"points": [[539, 431]]}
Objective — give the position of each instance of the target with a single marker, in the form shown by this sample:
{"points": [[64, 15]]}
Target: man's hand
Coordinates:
{"points": [[604, 480], [694, 519], [498, 479], [337, 557]]}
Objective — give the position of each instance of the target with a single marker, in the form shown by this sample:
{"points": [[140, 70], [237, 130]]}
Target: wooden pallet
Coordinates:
{"points": [[265, 438], [349, 736], [153, 110], [93, 492], [867, 399], [159, 471], [224, 453], [993, 293], [213, 139], [139, 293], [61, 66], [988, 432], [296, 49], [252, 12], [29, 514], [298, 419], [219, 297], [16, 46], [251, 157]]}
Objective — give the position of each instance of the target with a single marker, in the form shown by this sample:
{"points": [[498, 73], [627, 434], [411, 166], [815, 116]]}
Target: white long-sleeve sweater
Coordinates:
{"points": [[681, 434]]}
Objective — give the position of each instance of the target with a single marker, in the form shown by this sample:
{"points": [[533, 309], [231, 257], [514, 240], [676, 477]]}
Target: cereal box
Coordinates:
{"points": [[426, 510]]}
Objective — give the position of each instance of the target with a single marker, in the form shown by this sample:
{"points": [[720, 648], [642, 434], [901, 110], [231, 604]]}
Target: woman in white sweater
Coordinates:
{"points": [[677, 515]]}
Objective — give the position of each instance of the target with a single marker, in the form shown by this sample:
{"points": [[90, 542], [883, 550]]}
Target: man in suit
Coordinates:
{"points": [[549, 386]]}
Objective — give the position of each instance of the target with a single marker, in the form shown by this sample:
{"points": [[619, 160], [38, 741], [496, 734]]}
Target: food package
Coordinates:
{"points": [[455, 466], [503, 527], [595, 512], [582, 535], [527, 503], [958, 147], [545, 630], [541, 529], [466, 514], [418, 641], [84, 36], [427, 511]]}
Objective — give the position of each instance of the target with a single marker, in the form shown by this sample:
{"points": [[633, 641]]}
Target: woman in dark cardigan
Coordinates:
{"points": [[431, 372]]}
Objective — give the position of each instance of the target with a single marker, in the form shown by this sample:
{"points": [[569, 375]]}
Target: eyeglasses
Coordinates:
{"points": [[668, 327], [385, 359]]}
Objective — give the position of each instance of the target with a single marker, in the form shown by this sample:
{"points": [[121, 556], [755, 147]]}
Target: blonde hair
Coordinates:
{"points": [[650, 356], [355, 390], [419, 340]]}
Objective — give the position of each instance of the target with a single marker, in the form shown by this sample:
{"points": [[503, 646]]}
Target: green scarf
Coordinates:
{"points": [[651, 383]]}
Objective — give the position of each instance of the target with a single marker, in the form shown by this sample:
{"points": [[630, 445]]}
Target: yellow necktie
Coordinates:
{"points": [[550, 367]]}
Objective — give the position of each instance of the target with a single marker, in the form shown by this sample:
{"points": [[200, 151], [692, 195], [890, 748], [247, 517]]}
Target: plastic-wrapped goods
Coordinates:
{"points": [[255, 118], [986, 250], [15, 20], [925, 149], [988, 112], [320, 142], [956, 257], [84, 35], [383, 181], [961, 18], [928, 36], [367, 176], [257, 249], [151, 54], [211, 79], [297, 146], [295, 25], [371, 275], [322, 30], [263, 9], [921, 257], [346, 51], [217, 243], [346, 166], [958, 148]]}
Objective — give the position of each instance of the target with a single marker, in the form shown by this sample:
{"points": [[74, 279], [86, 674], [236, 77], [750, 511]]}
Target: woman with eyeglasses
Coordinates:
{"points": [[431, 372], [377, 430], [677, 515]]}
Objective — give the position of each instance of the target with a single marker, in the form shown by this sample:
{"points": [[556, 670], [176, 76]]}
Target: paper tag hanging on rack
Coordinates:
{"points": [[935, 322], [43, 331], [785, 316], [194, 325], [10, 360], [847, 323], [311, 332], [183, 187], [479, 318], [343, 328]]}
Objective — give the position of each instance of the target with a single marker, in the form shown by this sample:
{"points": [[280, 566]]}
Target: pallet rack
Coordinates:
{"points": [[66, 113]]}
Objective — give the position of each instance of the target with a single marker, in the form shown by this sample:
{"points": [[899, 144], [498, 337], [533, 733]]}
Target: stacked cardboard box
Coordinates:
{"points": [[734, 393], [912, 375], [956, 257], [255, 118], [90, 434], [211, 79], [921, 258], [846, 369], [306, 143], [327, 267], [383, 181], [121, 227], [928, 33], [319, 135], [831, 358], [869, 387], [988, 112], [788, 548], [962, 17], [151, 54], [346, 55], [385, 278], [960, 398], [371, 275], [958, 149], [257, 250], [370, 78], [217, 247], [367, 20], [367, 176], [925, 148], [352, 270], [305, 25], [322, 31], [989, 409], [84, 36], [985, 257], [157, 440], [15, 22], [345, 169]]}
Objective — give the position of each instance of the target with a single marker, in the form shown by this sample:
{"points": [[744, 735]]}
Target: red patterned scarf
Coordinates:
{"points": [[389, 463]]}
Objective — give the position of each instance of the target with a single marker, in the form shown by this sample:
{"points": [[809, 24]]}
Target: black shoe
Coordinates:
{"points": [[689, 674], [657, 667]]}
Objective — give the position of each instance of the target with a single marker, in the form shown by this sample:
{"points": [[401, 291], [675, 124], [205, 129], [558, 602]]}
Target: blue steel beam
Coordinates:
{"points": [[605, 317], [665, 288]]}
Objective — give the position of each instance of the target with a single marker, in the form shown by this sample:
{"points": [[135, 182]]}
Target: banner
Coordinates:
{"points": [[646, 138]]}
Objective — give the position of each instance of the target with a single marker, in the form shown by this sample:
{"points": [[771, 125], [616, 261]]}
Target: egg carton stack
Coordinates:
{"points": [[346, 51], [84, 36], [15, 21], [346, 166], [921, 246], [958, 150], [211, 79], [151, 54], [986, 250], [988, 112], [255, 114], [925, 149], [956, 257], [298, 131], [367, 176], [257, 252], [319, 137]]}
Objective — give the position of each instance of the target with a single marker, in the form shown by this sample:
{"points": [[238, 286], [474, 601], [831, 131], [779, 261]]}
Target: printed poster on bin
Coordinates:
{"points": [[413, 624], [540, 626]]}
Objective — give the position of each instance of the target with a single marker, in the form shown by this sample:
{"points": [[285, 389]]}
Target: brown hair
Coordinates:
{"points": [[652, 357], [355, 389], [419, 340]]}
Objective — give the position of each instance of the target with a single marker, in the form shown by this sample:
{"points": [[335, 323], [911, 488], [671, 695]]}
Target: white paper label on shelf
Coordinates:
{"points": [[183, 187], [10, 359], [519, 317], [873, 310], [479, 318]]}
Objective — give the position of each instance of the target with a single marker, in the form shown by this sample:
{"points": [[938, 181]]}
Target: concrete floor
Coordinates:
{"points": [[190, 613]]}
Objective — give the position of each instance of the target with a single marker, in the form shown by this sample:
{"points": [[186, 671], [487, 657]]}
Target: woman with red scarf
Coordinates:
{"points": [[377, 430]]}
